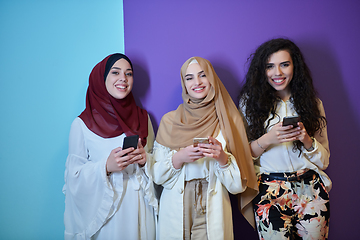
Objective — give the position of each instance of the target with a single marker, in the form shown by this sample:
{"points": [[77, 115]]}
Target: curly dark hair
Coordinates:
{"points": [[259, 98]]}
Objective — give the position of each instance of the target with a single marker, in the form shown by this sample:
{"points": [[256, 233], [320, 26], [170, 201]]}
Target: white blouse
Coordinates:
{"points": [[282, 158], [221, 179], [97, 206]]}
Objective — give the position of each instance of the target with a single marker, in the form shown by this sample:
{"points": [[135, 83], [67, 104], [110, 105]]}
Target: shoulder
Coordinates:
{"points": [[320, 107], [320, 103], [78, 123], [77, 132], [149, 121], [78, 126], [170, 116]]}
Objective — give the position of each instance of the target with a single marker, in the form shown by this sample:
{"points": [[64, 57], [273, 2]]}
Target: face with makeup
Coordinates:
{"points": [[279, 71], [196, 82], [119, 81]]}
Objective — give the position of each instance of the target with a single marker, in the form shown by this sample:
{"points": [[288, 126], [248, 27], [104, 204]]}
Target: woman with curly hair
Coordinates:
{"points": [[293, 202]]}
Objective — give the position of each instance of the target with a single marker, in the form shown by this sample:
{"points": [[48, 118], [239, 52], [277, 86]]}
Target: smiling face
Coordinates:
{"points": [[196, 82], [119, 81], [280, 70]]}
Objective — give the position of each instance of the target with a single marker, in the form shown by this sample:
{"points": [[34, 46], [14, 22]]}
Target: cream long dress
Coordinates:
{"points": [[97, 206]]}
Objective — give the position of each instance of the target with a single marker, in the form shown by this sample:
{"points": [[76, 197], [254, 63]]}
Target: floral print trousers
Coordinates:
{"points": [[292, 209]]}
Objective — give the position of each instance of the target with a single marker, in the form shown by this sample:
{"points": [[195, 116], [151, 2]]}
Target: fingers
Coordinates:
{"points": [[209, 148], [214, 141], [119, 152], [288, 137], [115, 164], [120, 158], [139, 144], [190, 154], [303, 136], [140, 157], [139, 154], [195, 154], [213, 149], [287, 133], [213, 154], [124, 152], [124, 159]]}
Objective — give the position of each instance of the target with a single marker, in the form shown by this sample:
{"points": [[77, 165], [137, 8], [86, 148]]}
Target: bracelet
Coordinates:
{"points": [[257, 141], [312, 146]]}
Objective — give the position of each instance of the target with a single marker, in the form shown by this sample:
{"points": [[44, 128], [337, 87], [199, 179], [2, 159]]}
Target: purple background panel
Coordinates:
{"points": [[161, 35]]}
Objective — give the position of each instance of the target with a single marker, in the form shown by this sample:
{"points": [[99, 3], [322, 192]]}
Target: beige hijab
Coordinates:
{"points": [[205, 117]]}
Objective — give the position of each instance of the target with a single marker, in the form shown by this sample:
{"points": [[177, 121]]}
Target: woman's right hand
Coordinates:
{"points": [[117, 161], [280, 134], [277, 134], [186, 155]]}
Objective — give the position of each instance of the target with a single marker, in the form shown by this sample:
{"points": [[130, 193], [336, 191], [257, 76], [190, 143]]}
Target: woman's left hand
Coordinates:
{"points": [[139, 154], [304, 136], [214, 149]]}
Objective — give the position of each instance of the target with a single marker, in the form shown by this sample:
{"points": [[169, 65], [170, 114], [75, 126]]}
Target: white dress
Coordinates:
{"points": [[97, 206]]}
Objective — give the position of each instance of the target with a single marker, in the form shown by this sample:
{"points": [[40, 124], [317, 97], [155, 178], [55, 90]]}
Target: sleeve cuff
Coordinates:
{"points": [[313, 146], [169, 160], [226, 166]]}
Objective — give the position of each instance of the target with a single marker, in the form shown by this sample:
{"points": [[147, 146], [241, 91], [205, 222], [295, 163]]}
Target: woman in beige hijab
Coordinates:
{"points": [[195, 202]]}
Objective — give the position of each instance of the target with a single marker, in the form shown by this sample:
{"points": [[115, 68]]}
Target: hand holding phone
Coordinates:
{"points": [[293, 120], [116, 162]]}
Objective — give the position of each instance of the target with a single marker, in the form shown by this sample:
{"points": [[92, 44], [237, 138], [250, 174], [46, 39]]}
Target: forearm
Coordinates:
{"points": [[230, 176], [164, 173], [319, 155], [176, 161], [259, 145]]}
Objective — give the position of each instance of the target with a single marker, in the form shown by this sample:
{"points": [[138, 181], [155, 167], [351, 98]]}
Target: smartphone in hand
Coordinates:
{"points": [[130, 141], [293, 120], [196, 141]]}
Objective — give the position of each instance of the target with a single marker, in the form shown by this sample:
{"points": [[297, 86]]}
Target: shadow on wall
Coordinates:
{"points": [[343, 128], [242, 229], [230, 81], [141, 85], [141, 81]]}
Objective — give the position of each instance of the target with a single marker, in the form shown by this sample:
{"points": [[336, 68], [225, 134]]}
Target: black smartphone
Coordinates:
{"points": [[291, 121], [130, 141]]}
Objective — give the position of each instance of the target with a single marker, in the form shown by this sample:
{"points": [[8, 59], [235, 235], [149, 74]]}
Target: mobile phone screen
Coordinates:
{"points": [[291, 121], [130, 141], [200, 140]]}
